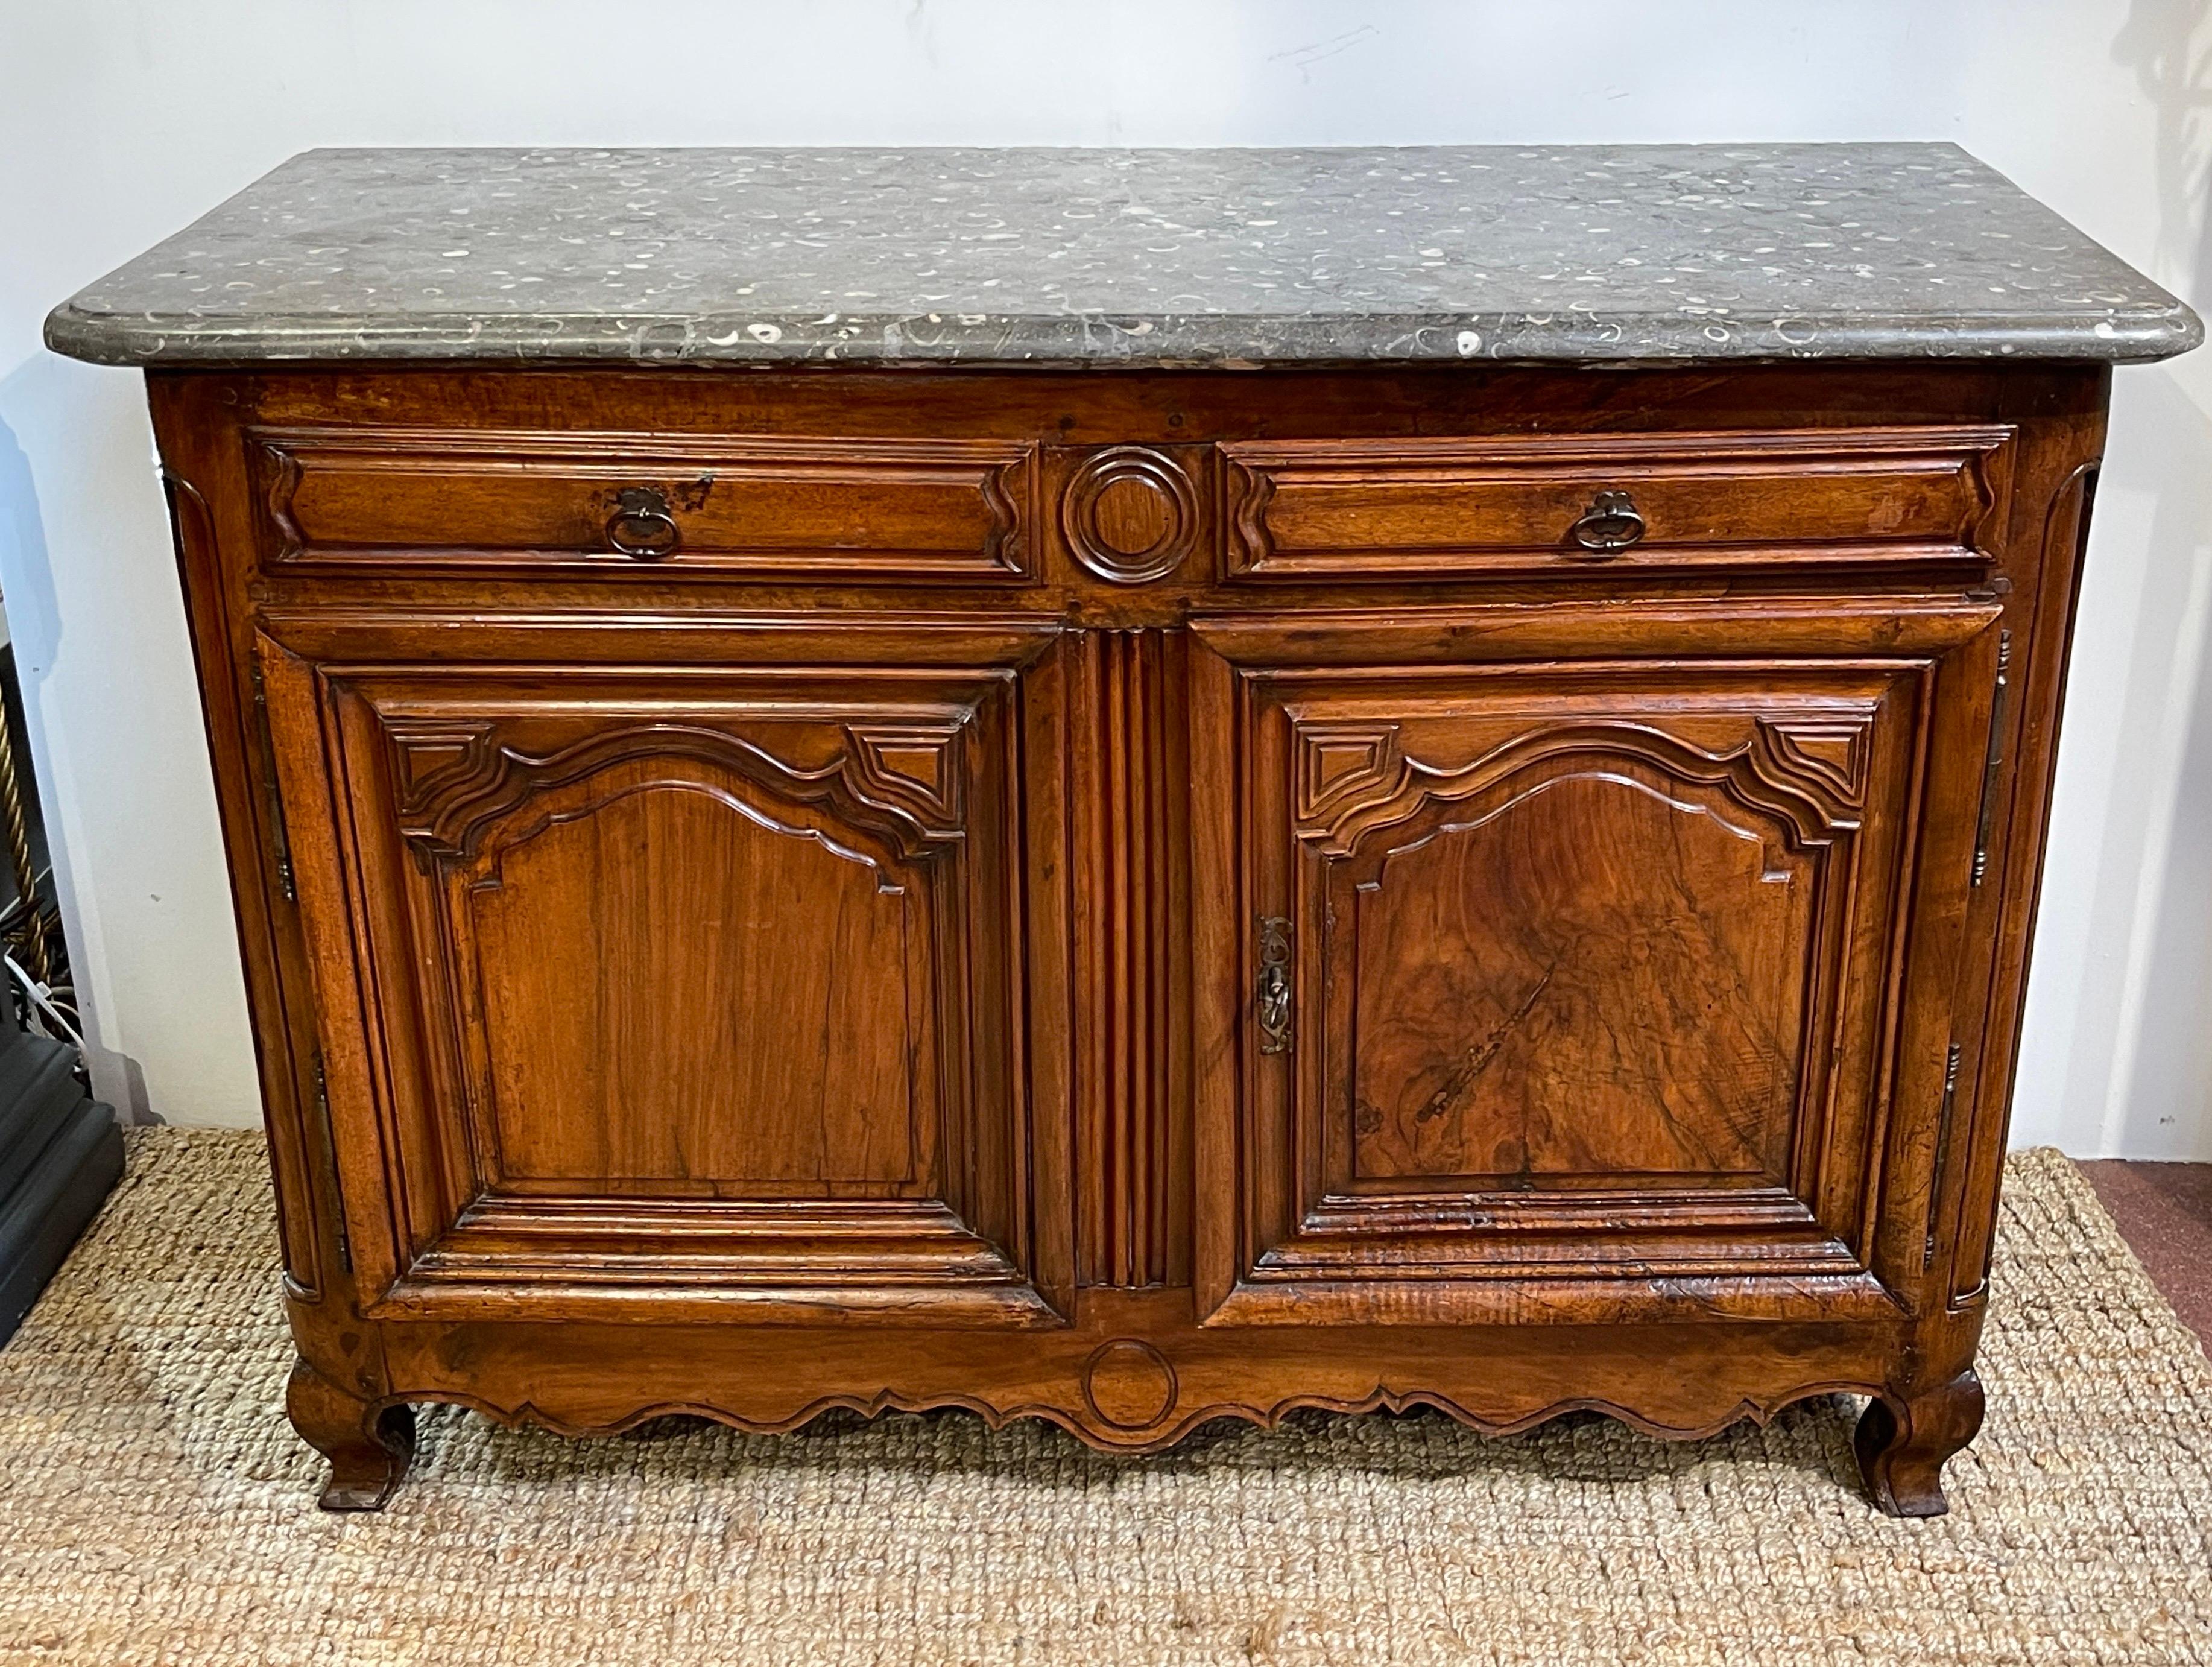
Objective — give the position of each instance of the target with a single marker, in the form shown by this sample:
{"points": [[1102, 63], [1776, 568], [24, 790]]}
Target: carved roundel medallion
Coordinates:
{"points": [[1130, 514], [1129, 1383]]}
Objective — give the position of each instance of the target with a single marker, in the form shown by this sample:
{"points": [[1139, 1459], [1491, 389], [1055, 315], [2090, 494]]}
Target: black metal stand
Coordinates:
{"points": [[61, 1152], [60, 1155]]}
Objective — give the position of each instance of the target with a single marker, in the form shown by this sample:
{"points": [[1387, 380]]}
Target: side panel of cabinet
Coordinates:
{"points": [[670, 986], [1587, 975]]}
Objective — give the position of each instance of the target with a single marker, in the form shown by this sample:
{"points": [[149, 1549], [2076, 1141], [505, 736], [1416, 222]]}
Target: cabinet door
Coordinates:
{"points": [[686, 972], [1569, 982]]}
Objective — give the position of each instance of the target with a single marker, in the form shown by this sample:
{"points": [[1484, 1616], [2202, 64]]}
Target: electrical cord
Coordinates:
{"points": [[40, 998]]}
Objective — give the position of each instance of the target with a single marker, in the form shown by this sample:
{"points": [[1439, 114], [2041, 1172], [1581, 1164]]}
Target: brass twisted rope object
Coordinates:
{"points": [[31, 934]]}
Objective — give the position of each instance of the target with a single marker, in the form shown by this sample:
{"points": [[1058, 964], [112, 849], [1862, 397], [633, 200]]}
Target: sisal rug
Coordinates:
{"points": [[154, 1507]]}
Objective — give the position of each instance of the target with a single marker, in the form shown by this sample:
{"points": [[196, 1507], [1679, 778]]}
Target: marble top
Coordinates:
{"points": [[1601, 254]]}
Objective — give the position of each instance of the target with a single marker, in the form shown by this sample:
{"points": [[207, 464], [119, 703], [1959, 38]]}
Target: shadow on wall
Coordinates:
{"points": [[33, 616], [2160, 42], [27, 588], [2159, 1081], [2153, 890]]}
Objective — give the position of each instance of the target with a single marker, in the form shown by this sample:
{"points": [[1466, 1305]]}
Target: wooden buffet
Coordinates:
{"points": [[1135, 886]]}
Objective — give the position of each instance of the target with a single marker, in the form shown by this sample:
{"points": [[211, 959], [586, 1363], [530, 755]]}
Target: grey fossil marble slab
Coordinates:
{"points": [[1051, 257]]}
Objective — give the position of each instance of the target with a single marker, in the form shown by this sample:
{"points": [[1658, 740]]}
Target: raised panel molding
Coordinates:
{"points": [[469, 773], [1371, 766]]}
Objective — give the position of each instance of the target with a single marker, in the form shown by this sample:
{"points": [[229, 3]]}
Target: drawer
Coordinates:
{"points": [[1350, 509], [568, 503]]}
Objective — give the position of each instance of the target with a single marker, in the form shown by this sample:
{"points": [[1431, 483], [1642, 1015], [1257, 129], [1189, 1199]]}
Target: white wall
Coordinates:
{"points": [[122, 120]]}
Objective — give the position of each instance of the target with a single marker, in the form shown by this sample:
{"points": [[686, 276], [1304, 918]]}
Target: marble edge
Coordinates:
{"points": [[2131, 337]]}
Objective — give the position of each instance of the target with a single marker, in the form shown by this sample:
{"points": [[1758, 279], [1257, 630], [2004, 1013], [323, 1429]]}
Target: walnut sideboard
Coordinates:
{"points": [[1129, 788]]}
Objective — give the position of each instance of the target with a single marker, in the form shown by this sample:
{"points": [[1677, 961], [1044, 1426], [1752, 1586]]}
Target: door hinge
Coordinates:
{"points": [[280, 838], [1942, 1153], [1993, 761], [330, 1145], [1271, 998]]}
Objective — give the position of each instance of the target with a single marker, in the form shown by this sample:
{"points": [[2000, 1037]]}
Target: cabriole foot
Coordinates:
{"points": [[368, 1446], [1903, 1443]]}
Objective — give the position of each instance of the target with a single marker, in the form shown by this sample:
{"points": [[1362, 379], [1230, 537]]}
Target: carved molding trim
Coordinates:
{"points": [[1249, 492], [1963, 1262], [1803, 793], [281, 474], [1724, 1411], [1132, 1066], [770, 1262], [198, 537], [1005, 546], [494, 872], [880, 782], [260, 863], [1832, 751], [1338, 762]]}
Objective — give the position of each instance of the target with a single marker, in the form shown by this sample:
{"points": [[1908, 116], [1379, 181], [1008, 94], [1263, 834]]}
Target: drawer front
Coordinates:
{"points": [[1382, 509], [934, 511]]}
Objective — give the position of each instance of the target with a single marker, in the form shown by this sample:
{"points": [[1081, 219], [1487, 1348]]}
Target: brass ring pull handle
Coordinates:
{"points": [[641, 526], [1609, 525]]}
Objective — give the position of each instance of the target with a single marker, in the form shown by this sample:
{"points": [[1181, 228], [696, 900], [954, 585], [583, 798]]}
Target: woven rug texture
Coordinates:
{"points": [[155, 1507]]}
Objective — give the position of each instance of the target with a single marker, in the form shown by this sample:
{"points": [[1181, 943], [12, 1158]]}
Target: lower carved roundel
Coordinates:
{"points": [[1129, 1383], [1130, 514]]}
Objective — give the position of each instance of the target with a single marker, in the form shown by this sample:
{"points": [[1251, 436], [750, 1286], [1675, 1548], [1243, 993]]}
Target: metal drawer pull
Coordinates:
{"points": [[641, 526], [1272, 998], [1609, 525]]}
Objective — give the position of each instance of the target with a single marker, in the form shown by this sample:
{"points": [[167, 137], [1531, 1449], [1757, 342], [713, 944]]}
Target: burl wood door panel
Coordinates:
{"points": [[1569, 975], [657, 987]]}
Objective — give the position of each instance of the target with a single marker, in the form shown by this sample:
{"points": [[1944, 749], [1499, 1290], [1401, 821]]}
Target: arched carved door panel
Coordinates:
{"points": [[678, 1037], [1585, 974], [677, 987]]}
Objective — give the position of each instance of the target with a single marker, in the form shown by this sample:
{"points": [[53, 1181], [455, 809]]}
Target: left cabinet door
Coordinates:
{"points": [[664, 973]]}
